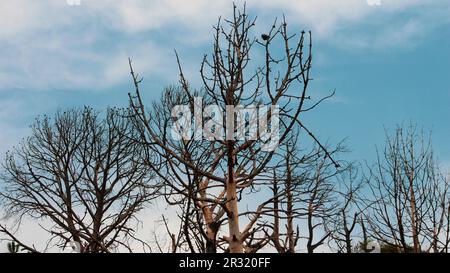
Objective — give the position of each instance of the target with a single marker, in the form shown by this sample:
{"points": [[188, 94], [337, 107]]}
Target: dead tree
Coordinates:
{"points": [[408, 195], [83, 172], [200, 214], [309, 188], [343, 226], [216, 170], [317, 201], [288, 175]]}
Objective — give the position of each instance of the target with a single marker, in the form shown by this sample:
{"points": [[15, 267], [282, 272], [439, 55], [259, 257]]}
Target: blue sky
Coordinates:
{"points": [[388, 63]]}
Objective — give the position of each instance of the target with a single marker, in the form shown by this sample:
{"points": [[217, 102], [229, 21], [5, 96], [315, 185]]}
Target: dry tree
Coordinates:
{"points": [[408, 196], [219, 171], [83, 173]]}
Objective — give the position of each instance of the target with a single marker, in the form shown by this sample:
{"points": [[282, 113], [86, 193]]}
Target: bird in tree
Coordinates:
{"points": [[265, 37]]}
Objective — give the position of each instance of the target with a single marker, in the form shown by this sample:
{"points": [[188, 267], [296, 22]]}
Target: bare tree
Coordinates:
{"points": [[83, 172], [285, 180], [344, 224], [318, 202], [214, 174], [309, 198], [409, 195], [200, 214], [288, 176]]}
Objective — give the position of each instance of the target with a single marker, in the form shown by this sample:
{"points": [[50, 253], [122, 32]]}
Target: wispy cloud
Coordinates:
{"points": [[49, 44]]}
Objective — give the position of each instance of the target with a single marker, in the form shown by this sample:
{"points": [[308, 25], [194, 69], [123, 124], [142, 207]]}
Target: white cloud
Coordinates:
{"points": [[323, 16], [49, 44], [18, 17]]}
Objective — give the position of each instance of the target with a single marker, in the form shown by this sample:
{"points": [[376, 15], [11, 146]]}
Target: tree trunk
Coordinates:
{"points": [[413, 217], [211, 231], [289, 212], [235, 242]]}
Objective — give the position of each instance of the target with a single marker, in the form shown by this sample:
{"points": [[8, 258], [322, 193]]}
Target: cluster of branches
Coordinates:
{"points": [[83, 173], [409, 196], [208, 179], [90, 174]]}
